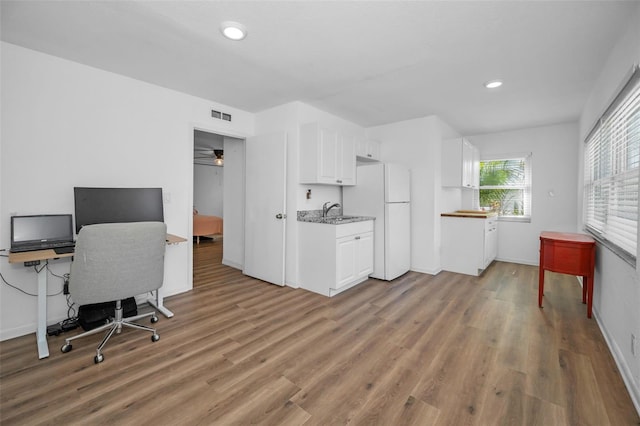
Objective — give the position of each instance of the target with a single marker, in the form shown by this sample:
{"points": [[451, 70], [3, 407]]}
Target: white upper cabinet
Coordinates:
{"points": [[346, 160], [460, 164], [476, 167], [326, 156], [368, 150]]}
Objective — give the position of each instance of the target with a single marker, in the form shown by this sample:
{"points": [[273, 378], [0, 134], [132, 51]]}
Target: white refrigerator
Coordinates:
{"points": [[383, 191]]}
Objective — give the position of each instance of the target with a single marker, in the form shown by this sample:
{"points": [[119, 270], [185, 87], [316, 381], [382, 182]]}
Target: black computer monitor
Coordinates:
{"points": [[40, 230], [117, 205]]}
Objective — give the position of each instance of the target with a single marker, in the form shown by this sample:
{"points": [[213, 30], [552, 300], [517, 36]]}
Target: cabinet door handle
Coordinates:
{"points": [[357, 238], [338, 180], [369, 155]]}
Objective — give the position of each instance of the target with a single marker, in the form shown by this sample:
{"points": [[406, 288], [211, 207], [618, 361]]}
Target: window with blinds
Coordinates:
{"points": [[612, 159], [505, 186]]}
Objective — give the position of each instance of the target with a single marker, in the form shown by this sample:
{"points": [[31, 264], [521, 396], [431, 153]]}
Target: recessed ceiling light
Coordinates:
{"points": [[233, 30], [493, 84]]}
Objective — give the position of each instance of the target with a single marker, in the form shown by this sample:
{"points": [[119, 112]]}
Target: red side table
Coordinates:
{"points": [[567, 253]]}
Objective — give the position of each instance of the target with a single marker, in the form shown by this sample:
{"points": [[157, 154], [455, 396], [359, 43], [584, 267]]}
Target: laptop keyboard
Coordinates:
{"points": [[66, 247], [64, 250]]}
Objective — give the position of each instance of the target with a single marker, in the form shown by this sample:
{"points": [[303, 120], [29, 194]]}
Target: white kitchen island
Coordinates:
{"points": [[469, 241]]}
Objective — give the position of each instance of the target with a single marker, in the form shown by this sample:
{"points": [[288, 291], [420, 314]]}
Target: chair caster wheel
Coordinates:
{"points": [[155, 337], [154, 319], [66, 348], [98, 358]]}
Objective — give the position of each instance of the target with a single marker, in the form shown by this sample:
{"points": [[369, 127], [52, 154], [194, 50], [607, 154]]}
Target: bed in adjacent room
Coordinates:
{"points": [[206, 226]]}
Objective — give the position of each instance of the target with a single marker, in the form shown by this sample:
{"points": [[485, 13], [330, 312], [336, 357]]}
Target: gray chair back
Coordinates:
{"points": [[114, 261]]}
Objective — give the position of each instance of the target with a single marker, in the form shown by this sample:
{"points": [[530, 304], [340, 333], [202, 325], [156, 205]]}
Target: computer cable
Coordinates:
{"points": [[26, 292]]}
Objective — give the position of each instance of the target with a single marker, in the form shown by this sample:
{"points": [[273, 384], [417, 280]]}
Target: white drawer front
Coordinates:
{"points": [[353, 228]]}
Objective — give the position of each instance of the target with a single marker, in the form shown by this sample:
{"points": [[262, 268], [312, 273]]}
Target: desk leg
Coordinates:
{"points": [[41, 333], [158, 303], [585, 285]]}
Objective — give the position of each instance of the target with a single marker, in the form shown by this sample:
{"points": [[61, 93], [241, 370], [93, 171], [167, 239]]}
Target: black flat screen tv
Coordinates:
{"points": [[117, 205]]}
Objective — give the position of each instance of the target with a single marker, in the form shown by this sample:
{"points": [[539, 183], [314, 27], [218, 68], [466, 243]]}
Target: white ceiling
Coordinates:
{"points": [[370, 62]]}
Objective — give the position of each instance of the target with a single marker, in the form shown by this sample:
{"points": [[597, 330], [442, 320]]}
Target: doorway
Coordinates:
{"points": [[218, 202]]}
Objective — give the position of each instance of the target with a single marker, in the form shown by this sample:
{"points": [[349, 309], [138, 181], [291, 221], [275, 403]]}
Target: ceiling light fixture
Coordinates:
{"points": [[219, 160], [493, 84], [233, 30]]}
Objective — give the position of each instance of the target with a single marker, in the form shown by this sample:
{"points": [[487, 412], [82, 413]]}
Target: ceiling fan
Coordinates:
{"points": [[217, 155]]}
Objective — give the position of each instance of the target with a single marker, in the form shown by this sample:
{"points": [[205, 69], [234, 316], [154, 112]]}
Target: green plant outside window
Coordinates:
{"points": [[505, 188]]}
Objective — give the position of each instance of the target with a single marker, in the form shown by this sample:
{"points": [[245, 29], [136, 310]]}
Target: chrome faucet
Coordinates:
{"points": [[326, 209]]}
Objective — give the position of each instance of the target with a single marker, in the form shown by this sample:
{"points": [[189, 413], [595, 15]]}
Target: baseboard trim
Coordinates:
{"points": [[623, 367], [23, 330], [232, 264], [427, 271], [520, 261]]}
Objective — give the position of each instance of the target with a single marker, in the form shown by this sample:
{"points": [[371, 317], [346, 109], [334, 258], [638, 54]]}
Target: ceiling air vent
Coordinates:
{"points": [[220, 115]]}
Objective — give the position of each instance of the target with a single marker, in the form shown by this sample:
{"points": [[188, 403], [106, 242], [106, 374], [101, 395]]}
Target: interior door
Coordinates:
{"points": [[265, 218]]}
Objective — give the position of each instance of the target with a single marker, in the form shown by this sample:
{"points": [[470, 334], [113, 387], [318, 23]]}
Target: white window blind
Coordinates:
{"points": [[505, 186], [612, 159]]}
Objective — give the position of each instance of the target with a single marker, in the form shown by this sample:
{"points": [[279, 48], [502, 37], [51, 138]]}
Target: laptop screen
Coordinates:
{"points": [[40, 229]]}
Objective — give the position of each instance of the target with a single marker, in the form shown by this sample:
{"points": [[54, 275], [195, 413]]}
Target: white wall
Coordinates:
{"points": [[63, 125], [554, 164], [208, 186], [616, 299], [417, 143]]}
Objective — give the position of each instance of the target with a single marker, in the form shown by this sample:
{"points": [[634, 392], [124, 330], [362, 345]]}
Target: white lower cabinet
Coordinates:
{"points": [[334, 258], [490, 241], [469, 244]]}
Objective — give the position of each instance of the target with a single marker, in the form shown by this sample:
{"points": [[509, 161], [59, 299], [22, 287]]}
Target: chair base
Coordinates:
{"points": [[113, 327]]}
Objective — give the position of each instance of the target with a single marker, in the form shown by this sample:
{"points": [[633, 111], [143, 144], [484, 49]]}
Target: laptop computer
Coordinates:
{"points": [[41, 232]]}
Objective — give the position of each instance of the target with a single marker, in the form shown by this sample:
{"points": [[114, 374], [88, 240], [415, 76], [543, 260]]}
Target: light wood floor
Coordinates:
{"points": [[425, 350]]}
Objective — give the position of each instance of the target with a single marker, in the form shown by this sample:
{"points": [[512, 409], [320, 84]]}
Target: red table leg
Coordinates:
{"points": [[589, 280], [568, 253], [541, 277]]}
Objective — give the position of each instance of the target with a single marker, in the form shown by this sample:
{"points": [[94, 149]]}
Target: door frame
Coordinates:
{"points": [[207, 129]]}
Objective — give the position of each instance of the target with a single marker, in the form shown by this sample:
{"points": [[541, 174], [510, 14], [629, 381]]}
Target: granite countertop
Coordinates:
{"points": [[315, 216], [335, 220], [481, 214]]}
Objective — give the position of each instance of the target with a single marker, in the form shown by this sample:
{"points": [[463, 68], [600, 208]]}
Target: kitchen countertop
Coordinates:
{"points": [[480, 214], [334, 220]]}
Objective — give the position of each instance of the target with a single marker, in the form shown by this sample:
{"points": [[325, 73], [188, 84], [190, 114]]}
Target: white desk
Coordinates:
{"points": [[46, 255], [42, 256], [158, 301]]}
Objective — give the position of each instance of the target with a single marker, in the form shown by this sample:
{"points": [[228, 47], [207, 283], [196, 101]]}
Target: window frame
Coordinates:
{"points": [[612, 167], [525, 186]]}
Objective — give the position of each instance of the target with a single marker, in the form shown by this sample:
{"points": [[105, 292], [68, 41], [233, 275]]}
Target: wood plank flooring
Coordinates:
{"points": [[421, 350]]}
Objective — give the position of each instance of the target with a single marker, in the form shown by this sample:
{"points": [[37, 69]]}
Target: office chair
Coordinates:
{"points": [[115, 261]]}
